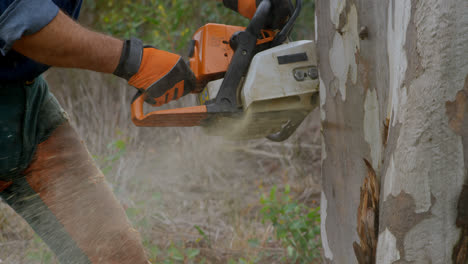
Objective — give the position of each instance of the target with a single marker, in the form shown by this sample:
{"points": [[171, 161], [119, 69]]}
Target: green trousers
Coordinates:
{"points": [[49, 178], [28, 115]]}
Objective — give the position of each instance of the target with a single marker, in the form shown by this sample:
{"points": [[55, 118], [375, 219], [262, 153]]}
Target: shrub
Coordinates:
{"points": [[296, 225]]}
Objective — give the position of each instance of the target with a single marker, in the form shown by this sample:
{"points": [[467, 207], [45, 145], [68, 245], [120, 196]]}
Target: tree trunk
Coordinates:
{"points": [[394, 110]]}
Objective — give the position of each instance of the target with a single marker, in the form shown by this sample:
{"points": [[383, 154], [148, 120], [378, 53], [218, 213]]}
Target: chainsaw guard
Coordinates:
{"points": [[286, 131], [179, 117]]}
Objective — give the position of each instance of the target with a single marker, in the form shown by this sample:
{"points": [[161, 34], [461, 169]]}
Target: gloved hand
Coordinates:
{"points": [[159, 75], [281, 10]]}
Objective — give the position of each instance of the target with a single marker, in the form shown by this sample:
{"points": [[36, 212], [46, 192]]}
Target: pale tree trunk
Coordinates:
{"points": [[394, 109]]}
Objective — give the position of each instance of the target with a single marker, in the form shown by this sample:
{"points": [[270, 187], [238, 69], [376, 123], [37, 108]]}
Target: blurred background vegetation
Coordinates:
{"points": [[169, 24], [194, 198]]}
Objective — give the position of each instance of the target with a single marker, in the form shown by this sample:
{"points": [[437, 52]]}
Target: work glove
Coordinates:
{"points": [[280, 12], [160, 76]]}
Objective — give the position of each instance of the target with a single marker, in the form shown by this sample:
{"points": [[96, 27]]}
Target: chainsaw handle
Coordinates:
{"points": [[178, 117], [260, 18], [243, 43], [286, 30]]}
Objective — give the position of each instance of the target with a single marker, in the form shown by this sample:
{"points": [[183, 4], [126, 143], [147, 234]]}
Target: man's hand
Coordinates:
{"points": [[281, 10], [161, 76]]}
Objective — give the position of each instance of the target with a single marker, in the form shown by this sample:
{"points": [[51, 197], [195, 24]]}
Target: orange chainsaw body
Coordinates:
{"points": [[210, 57], [210, 53]]}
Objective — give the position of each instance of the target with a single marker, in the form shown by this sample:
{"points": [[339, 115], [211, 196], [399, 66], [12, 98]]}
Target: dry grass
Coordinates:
{"points": [[174, 179]]}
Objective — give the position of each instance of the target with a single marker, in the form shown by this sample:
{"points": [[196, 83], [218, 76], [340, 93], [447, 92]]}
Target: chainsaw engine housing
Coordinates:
{"points": [[279, 90]]}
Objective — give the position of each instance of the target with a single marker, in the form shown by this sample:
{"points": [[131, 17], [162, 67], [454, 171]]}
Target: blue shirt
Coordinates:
{"points": [[25, 17]]}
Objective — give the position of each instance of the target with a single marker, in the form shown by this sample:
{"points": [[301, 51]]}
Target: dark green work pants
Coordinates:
{"points": [[48, 177], [28, 115]]}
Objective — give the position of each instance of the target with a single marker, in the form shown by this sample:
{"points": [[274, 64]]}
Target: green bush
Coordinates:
{"points": [[166, 24], [296, 225], [170, 24], [176, 253]]}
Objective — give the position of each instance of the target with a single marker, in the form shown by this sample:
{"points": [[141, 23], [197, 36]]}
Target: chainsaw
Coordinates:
{"points": [[251, 82]]}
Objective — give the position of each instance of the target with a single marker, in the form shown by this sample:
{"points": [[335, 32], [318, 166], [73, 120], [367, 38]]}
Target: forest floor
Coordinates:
{"points": [[187, 193]]}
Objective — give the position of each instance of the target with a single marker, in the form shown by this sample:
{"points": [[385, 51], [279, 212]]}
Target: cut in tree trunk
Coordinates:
{"points": [[394, 91]]}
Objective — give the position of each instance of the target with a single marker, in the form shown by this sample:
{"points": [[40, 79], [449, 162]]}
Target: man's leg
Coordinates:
{"points": [[66, 200]]}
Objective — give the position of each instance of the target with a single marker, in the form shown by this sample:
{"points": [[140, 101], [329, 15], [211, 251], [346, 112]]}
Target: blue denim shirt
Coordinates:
{"points": [[25, 17]]}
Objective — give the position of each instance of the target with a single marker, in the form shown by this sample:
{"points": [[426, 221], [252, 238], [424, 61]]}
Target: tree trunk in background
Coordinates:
{"points": [[394, 92]]}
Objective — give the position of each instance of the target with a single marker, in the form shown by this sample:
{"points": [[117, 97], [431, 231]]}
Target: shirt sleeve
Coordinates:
{"points": [[24, 17]]}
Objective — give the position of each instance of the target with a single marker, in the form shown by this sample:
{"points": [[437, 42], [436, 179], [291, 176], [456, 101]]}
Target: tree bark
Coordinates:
{"points": [[394, 92]]}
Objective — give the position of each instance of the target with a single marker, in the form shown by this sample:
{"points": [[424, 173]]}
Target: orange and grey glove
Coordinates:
{"points": [[159, 75], [281, 10]]}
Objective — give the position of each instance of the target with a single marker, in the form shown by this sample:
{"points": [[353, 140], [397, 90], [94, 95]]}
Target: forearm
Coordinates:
{"points": [[64, 43]]}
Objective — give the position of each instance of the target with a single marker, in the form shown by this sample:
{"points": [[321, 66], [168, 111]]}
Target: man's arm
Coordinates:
{"points": [[64, 43], [160, 75]]}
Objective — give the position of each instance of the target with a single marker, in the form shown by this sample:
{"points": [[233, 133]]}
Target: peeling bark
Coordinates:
{"points": [[457, 111], [399, 217], [462, 208], [368, 218], [460, 251], [460, 255], [385, 132]]}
